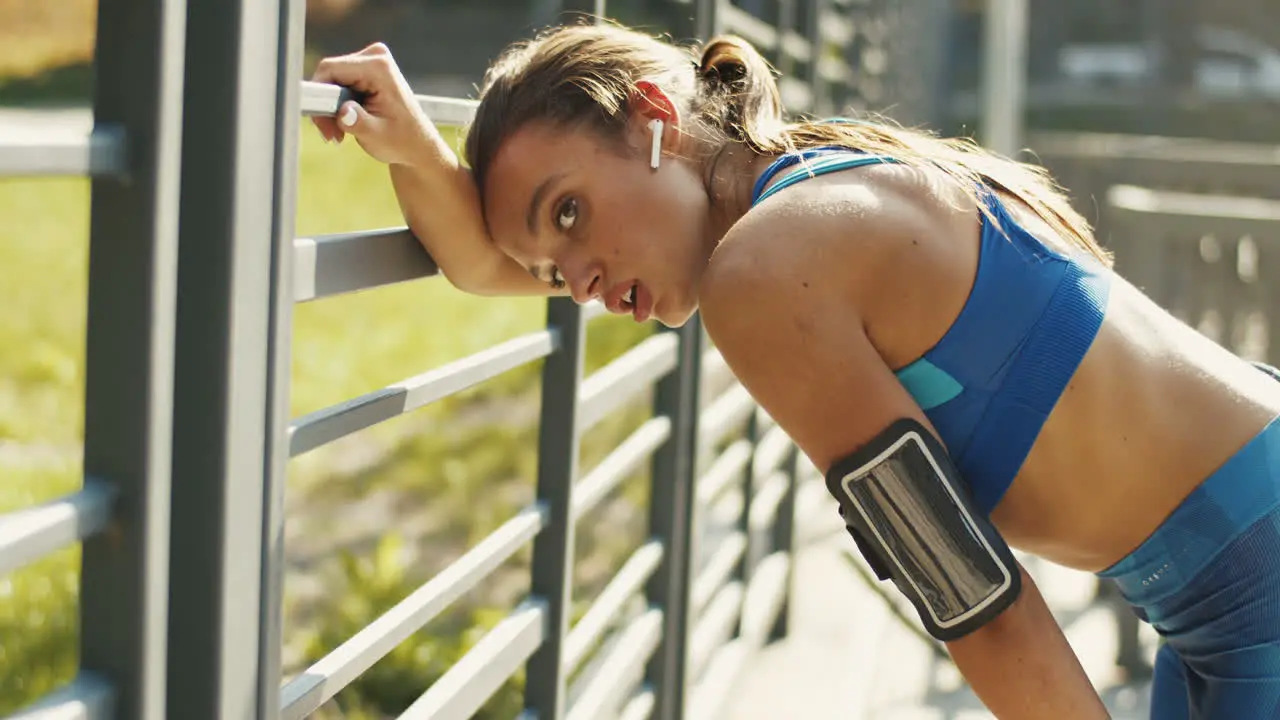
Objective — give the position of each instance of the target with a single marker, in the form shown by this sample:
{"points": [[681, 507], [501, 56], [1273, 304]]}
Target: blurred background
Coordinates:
{"points": [[371, 516]]}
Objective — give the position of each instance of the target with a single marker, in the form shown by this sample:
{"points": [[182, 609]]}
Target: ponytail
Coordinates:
{"points": [[739, 94], [739, 97]]}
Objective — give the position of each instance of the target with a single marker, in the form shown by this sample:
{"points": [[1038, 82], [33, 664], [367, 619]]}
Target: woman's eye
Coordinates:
{"points": [[567, 215]]}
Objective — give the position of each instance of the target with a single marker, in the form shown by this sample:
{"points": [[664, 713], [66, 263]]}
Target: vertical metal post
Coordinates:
{"points": [[742, 571], [671, 503], [1004, 75], [228, 246], [557, 471], [783, 20], [279, 343], [694, 19], [784, 541], [813, 10], [706, 18], [545, 691], [129, 349], [594, 8]]}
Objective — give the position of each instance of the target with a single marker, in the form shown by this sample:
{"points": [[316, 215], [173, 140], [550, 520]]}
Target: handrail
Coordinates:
{"points": [[325, 99], [324, 679], [474, 678], [29, 534], [98, 153], [336, 421], [327, 265]]}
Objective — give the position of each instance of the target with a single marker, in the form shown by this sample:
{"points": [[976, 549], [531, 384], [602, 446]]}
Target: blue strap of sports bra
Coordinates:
{"points": [[816, 161]]}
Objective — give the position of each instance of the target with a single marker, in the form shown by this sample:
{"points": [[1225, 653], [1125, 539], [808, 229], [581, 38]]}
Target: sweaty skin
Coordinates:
{"points": [[814, 297]]}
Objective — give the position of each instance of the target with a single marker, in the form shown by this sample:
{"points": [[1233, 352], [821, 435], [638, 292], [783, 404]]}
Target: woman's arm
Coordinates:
{"points": [[437, 194], [785, 318], [442, 207], [1021, 665]]}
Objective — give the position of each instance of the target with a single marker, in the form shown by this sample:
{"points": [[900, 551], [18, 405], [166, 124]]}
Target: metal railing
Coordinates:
{"points": [[193, 166], [1088, 165], [1211, 260]]}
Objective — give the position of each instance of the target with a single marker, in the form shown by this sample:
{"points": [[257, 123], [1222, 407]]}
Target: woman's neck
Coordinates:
{"points": [[729, 178]]}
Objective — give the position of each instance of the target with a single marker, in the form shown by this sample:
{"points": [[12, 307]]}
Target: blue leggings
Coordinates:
{"points": [[1208, 581]]}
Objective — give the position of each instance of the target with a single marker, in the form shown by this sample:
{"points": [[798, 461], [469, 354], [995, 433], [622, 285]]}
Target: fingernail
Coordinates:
{"points": [[349, 116]]}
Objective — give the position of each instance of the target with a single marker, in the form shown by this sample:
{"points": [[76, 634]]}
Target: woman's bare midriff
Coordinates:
{"points": [[1153, 410]]}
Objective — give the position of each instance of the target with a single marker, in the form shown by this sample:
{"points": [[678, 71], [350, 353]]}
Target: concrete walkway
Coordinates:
{"points": [[849, 658]]}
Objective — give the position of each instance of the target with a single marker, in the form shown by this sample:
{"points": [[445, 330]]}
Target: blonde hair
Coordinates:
{"points": [[584, 76]]}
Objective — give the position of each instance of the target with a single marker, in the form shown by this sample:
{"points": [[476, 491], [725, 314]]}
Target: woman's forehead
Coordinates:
{"points": [[525, 171]]}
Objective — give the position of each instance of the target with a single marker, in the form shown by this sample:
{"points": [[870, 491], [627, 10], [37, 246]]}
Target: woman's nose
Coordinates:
{"points": [[585, 284]]}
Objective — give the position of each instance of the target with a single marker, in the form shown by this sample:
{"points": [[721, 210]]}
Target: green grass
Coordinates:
{"points": [[342, 347]]}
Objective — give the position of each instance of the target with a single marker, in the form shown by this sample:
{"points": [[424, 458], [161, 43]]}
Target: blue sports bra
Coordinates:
{"points": [[989, 384]]}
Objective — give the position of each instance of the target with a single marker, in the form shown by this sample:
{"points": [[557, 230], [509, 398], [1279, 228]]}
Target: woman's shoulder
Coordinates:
{"points": [[848, 229]]}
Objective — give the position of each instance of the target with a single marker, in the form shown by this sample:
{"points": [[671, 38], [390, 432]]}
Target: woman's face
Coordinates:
{"points": [[588, 213]]}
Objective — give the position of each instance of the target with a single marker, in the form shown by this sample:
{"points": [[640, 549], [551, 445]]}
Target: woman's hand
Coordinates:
{"points": [[390, 124], [437, 194]]}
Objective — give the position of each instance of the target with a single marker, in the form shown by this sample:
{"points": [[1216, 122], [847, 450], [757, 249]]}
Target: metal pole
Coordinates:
{"points": [[279, 343], [822, 104], [229, 244], [784, 541], [545, 683], [129, 350], [742, 571], [671, 502], [1004, 75]]}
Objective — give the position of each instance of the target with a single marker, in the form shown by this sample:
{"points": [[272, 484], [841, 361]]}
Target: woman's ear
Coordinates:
{"points": [[654, 115]]}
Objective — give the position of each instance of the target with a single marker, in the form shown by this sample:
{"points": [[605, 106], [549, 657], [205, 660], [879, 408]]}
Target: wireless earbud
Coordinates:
{"points": [[655, 154]]}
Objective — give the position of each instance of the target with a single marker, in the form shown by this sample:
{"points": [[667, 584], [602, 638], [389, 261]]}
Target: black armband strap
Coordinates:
{"points": [[914, 522]]}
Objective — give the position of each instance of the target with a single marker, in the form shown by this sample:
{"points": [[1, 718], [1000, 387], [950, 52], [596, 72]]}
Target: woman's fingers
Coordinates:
{"points": [[370, 71]]}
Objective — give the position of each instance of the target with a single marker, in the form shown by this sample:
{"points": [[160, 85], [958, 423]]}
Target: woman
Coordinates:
{"points": [[883, 294]]}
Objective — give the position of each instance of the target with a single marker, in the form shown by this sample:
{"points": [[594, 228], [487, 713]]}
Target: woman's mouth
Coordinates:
{"points": [[635, 300]]}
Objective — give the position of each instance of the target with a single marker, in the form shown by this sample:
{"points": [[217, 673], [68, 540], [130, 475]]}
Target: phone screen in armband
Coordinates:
{"points": [[908, 506]]}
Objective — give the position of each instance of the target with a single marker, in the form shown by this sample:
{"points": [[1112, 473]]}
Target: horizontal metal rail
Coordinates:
{"points": [[1113, 146], [100, 152], [715, 626], [29, 534], [765, 594], [326, 425], [593, 310], [771, 451], [626, 659], [1176, 214], [328, 676], [621, 589], [724, 472], [623, 460], [730, 410], [717, 571], [87, 697], [764, 506], [325, 99], [715, 369], [473, 679], [760, 607], [722, 671], [610, 387], [641, 705], [339, 263]]}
